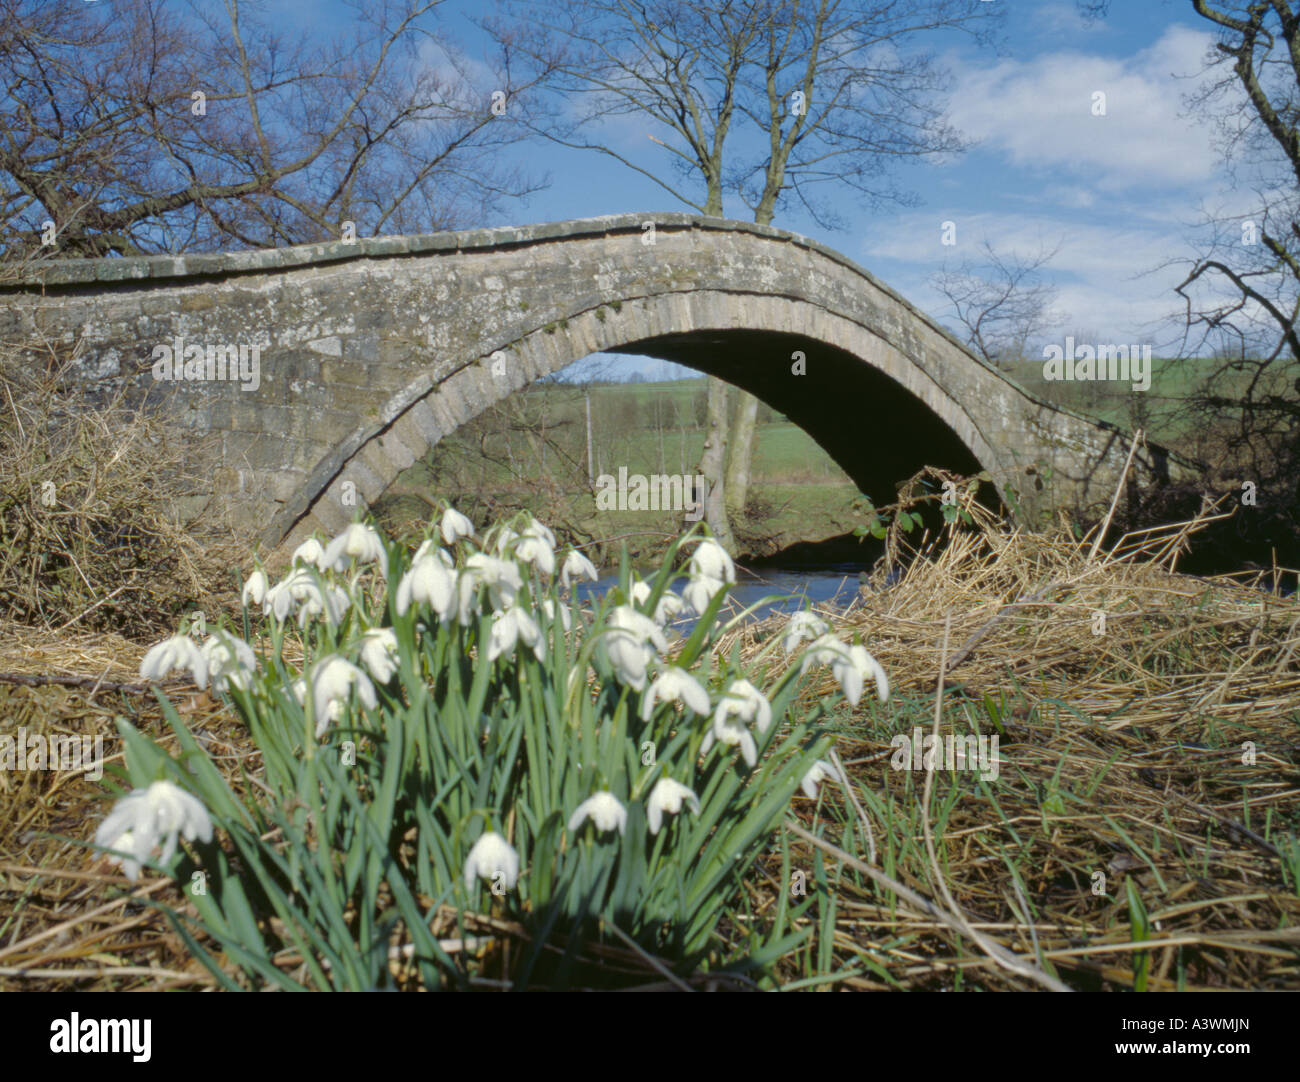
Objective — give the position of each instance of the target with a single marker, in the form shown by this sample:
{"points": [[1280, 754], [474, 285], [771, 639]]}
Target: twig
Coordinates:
{"points": [[1119, 488], [98, 683], [1002, 957], [919, 901]]}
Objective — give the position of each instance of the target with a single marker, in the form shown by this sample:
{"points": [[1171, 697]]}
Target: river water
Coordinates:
{"points": [[795, 587]]}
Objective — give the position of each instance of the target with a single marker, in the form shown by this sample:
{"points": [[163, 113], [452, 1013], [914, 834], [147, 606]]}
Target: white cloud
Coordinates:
{"points": [[1039, 113]]}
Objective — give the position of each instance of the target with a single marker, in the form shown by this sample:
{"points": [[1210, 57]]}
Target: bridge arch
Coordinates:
{"points": [[371, 352]]}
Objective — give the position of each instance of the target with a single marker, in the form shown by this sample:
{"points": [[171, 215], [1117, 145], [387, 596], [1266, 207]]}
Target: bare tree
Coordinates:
{"points": [[157, 125], [762, 100], [1241, 294], [1001, 302]]}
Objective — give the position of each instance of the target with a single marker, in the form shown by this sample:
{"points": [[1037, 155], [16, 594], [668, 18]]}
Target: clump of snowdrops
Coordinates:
{"points": [[464, 737]]}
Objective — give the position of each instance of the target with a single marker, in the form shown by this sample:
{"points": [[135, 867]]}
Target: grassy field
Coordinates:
{"points": [[532, 449]]}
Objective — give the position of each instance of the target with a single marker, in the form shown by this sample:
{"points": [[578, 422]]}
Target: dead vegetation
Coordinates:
{"points": [[1159, 753]]}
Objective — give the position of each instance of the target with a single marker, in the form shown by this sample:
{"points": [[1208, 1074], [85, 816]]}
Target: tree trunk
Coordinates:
{"points": [[740, 455], [712, 465]]}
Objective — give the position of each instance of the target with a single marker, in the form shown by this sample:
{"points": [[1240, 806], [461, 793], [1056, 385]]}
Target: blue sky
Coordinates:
{"points": [[1120, 193]]}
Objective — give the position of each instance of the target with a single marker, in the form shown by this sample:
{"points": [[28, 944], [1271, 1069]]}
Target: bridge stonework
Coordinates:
{"points": [[370, 352]]}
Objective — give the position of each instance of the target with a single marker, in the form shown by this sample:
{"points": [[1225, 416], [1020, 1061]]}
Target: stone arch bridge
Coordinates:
{"points": [[367, 353]]}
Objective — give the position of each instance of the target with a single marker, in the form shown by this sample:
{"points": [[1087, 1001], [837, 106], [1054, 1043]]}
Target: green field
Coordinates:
{"points": [[531, 451]]}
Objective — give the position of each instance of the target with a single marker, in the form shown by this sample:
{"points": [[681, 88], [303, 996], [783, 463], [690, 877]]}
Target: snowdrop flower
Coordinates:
{"points": [[148, 817], [505, 538], [604, 811], [539, 531], [560, 612], [711, 561], [576, 565], [631, 643], [230, 661], [534, 549], [699, 591], [379, 653], [849, 665], [427, 548], [125, 843], [728, 732], [639, 625], [747, 703], [455, 526], [667, 796], [509, 627], [309, 552], [500, 576], [331, 602], [675, 684], [819, 772], [668, 605], [178, 652], [254, 589], [331, 681], [803, 625], [428, 581], [491, 856], [358, 542]]}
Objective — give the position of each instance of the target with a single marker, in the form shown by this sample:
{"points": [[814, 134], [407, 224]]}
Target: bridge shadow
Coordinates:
{"points": [[875, 430]]}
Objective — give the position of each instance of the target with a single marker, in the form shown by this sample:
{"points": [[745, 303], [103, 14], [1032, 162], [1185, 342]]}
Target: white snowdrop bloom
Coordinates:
{"points": [[255, 588], [178, 652], [379, 653], [861, 664], [331, 680], [675, 684], [149, 817], [455, 526], [711, 561], [231, 661], [850, 665], [638, 624], [535, 550], [501, 577], [311, 552], [558, 611], [576, 565], [428, 581], [699, 591], [728, 732], [803, 625], [504, 539], [540, 531], [511, 626], [630, 644], [817, 773], [299, 689], [747, 703], [667, 796], [360, 543], [603, 809], [467, 601], [491, 856], [279, 601], [125, 843], [331, 602], [668, 605], [630, 658]]}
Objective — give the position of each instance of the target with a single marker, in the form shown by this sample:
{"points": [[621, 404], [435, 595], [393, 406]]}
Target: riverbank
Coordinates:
{"points": [[1133, 826]]}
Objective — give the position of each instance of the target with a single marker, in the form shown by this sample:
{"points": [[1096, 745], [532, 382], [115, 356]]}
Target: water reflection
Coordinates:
{"points": [[831, 584]]}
